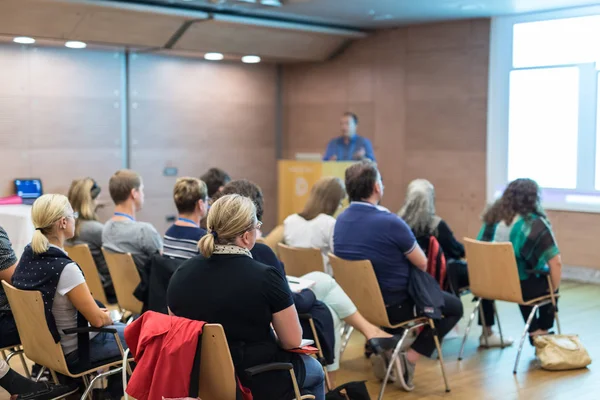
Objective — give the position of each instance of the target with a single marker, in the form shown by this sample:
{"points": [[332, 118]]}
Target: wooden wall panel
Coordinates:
{"points": [[194, 115], [423, 92], [60, 116]]}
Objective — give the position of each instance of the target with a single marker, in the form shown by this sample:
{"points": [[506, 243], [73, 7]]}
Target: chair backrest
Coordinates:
{"points": [[358, 280], [300, 261], [274, 237], [217, 374], [38, 344], [126, 278], [82, 255], [492, 269]]}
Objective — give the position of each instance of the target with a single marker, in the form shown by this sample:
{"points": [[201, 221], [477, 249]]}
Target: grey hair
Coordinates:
{"points": [[418, 210]]}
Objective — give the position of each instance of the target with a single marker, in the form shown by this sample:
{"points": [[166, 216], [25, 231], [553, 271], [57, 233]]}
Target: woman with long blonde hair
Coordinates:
{"points": [[46, 267], [88, 230], [227, 286]]}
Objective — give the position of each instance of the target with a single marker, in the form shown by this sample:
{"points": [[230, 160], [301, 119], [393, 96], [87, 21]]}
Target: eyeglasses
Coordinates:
{"points": [[258, 225], [75, 215]]}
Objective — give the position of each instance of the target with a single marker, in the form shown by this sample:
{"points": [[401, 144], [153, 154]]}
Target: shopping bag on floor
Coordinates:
{"points": [[561, 352]]}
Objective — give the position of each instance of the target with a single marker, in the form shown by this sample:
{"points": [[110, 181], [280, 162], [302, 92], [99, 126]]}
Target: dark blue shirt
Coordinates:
{"points": [[365, 232], [345, 152]]}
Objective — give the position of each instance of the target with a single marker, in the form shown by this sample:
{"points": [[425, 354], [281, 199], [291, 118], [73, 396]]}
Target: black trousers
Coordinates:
{"points": [[458, 277], [8, 330], [424, 344], [531, 288]]}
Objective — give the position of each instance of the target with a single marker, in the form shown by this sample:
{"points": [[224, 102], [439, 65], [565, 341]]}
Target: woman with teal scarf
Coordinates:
{"points": [[518, 217]]}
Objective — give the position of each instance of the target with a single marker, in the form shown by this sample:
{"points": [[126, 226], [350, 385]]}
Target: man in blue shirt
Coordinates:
{"points": [[349, 146], [367, 231]]}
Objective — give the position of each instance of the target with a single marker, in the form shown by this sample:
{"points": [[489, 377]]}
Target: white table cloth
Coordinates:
{"points": [[16, 221]]}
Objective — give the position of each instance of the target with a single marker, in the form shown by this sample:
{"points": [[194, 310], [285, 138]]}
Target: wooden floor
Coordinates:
{"points": [[487, 374]]}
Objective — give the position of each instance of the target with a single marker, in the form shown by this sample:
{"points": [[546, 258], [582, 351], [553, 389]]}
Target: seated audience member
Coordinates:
{"points": [[326, 289], [88, 230], [10, 381], [313, 227], [47, 268], [122, 233], [227, 286], [365, 232], [191, 200], [419, 214], [518, 218], [215, 179]]}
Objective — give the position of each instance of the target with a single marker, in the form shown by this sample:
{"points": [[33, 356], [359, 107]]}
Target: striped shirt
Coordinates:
{"points": [[7, 260], [181, 242]]}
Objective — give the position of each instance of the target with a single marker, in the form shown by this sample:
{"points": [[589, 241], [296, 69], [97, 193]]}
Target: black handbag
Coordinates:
{"points": [[356, 390]]}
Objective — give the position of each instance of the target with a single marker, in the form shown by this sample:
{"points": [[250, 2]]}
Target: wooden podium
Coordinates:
{"points": [[296, 179]]}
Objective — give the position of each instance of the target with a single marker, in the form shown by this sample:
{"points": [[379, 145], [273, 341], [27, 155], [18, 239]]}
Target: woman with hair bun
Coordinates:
{"points": [[251, 300]]}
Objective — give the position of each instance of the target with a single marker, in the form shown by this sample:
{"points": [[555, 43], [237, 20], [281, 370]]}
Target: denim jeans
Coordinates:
{"points": [[314, 381], [102, 347]]}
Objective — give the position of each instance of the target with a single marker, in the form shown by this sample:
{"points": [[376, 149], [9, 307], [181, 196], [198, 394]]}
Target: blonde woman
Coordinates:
{"points": [[313, 227], [88, 230], [227, 286], [46, 267]]}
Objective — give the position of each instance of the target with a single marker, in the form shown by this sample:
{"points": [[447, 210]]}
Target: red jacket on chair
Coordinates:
{"points": [[164, 348]]}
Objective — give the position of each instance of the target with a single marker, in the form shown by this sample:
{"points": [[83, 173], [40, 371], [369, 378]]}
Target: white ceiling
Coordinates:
{"points": [[372, 14]]}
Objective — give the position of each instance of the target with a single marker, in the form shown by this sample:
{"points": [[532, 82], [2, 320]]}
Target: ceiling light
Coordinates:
{"points": [[74, 44], [213, 56], [251, 59], [24, 40]]}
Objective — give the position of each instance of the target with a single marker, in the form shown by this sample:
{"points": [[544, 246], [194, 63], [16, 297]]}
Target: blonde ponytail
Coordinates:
{"points": [[206, 245], [46, 211], [229, 217], [39, 242]]}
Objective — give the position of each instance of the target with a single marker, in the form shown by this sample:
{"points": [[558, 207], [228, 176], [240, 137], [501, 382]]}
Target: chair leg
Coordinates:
{"points": [[483, 324], [525, 333], [295, 385], [24, 363], [54, 377], [346, 334], [436, 339], [471, 318], [391, 362], [89, 384], [39, 375], [499, 326]]}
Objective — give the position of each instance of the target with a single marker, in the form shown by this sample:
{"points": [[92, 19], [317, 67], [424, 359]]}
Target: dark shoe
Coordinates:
{"points": [[381, 345], [49, 392]]}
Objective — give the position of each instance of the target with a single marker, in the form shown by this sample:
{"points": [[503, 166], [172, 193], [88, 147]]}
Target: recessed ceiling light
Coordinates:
{"points": [[251, 59], [74, 44], [213, 56], [24, 40]]}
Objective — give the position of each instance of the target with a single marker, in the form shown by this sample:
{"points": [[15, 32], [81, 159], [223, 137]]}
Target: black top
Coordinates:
{"points": [[452, 248], [239, 293]]}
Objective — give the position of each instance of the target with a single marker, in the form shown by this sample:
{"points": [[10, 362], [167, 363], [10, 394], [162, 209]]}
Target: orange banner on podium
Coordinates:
{"points": [[296, 179]]}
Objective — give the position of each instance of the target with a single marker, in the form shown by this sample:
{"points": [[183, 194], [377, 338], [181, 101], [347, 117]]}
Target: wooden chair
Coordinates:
{"points": [[82, 255], [217, 374], [358, 280], [493, 275], [300, 261], [126, 278], [274, 237], [39, 346]]}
